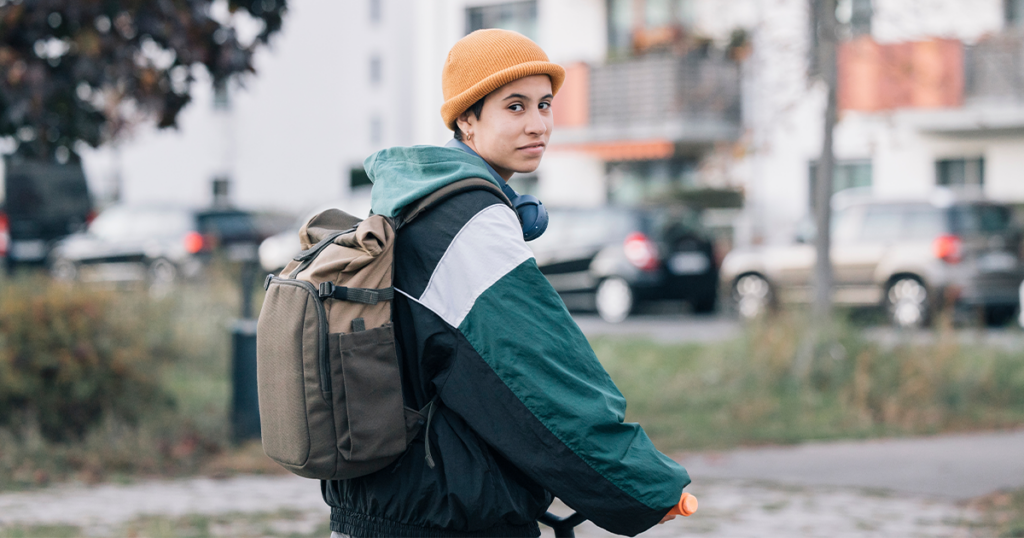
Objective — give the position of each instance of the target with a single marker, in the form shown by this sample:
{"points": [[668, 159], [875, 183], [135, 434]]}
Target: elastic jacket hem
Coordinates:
{"points": [[359, 525]]}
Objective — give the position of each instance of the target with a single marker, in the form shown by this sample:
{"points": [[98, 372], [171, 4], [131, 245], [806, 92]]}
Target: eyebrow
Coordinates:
{"points": [[521, 96]]}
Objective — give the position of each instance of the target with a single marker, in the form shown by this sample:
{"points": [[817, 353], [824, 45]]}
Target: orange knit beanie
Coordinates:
{"points": [[486, 60]]}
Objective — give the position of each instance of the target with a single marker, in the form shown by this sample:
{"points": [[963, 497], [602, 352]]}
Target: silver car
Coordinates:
{"points": [[911, 257]]}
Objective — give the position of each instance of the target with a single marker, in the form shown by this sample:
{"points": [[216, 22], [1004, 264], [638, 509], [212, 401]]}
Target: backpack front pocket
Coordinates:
{"points": [[290, 352]]}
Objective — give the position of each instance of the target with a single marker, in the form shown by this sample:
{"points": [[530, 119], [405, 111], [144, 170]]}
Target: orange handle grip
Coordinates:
{"points": [[686, 507]]}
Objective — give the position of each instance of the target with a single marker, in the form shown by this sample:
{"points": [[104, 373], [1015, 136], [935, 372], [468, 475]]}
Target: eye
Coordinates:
{"points": [[516, 107], [544, 105]]}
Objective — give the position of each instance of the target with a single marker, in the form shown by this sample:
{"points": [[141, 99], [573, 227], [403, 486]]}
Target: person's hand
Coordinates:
{"points": [[668, 517]]}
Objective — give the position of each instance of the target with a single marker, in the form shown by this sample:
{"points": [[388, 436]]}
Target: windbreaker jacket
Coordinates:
{"points": [[526, 412]]}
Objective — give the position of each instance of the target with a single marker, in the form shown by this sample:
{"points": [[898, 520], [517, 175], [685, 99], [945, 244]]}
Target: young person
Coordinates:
{"points": [[525, 409]]}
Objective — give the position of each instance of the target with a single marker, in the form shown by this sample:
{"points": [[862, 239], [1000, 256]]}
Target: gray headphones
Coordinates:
{"points": [[532, 215]]}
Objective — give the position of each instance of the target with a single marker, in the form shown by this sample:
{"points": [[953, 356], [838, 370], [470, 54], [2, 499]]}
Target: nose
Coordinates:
{"points": [[536, 124]]}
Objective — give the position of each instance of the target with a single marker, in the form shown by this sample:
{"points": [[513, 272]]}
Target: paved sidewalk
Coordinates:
{"points": [[735, 509], [898, 488], [108, 505], [954, 467]]}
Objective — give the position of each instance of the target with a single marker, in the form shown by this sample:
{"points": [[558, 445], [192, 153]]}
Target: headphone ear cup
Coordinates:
{"points": [[532, 215]]}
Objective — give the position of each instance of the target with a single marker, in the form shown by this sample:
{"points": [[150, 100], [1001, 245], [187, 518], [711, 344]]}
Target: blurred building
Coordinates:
{"points": [[929, 96], [648, 97], [666, 96], [334, 86], [663, 99]]}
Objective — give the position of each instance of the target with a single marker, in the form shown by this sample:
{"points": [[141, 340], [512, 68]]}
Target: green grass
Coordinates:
{"points": [[774, 384], [778, 385]]}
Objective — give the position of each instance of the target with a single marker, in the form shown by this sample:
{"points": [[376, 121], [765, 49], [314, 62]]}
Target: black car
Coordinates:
{"points": [[154, 243], [612, 258], [40, 202]]}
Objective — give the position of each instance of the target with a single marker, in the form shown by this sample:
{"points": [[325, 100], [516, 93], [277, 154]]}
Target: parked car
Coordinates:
{"points": [[277, 250], [911, 257], [158, 244], [612, 258], [40, 202]]}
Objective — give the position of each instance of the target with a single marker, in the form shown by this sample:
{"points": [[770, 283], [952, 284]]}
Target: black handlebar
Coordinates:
{"points": [[563, 526]]}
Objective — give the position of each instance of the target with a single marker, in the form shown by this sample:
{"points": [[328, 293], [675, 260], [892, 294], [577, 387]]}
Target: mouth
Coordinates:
{"points": [[533, 148]]}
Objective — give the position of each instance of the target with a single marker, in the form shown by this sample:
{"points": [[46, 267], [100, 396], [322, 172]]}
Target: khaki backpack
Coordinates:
{"points": [[330, 390]]}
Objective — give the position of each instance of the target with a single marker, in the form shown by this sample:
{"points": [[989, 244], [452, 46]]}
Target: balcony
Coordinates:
{"points": [[994, 70], [673, 100]]}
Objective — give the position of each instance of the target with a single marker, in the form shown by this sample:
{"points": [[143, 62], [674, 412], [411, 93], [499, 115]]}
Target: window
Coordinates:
{"points": [[647, 25], [975, 219], [847, 175], [923, 222], [376, 130], [528, 184], [881, 223], [357, 177], [960, 172], [375, 10], [855, 15], [1013, 12], [641, 181], [516, 16], [375, 69]]}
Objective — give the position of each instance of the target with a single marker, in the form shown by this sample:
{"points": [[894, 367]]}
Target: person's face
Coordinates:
{"points": [[514, 125]]}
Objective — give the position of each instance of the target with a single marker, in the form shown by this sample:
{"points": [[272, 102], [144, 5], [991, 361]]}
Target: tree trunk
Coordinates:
{"points": [[826, 26]]}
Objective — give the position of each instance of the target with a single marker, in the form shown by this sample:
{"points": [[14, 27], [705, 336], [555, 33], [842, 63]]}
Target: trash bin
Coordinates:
{"points": [[245, 404]]}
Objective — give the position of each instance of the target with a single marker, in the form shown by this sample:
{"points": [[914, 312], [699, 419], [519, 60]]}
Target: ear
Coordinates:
{"points": [[465, 123]]}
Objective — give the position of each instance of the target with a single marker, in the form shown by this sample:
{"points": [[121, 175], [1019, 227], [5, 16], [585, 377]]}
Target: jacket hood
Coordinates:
{"points": [[403, 175]]}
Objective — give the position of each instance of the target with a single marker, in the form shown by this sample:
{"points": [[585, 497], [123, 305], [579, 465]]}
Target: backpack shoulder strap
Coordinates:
{"points": [[414, 209]]}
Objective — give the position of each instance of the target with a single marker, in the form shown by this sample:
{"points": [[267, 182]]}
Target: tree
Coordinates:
{"points": [[83, 70], [825, 31]]}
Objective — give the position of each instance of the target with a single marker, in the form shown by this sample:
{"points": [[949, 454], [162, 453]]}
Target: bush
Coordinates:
{"points": [[102, 383], [70, 356]]}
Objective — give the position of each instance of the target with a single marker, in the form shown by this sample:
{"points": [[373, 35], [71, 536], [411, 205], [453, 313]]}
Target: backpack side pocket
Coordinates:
{"points": [[370, 411]]}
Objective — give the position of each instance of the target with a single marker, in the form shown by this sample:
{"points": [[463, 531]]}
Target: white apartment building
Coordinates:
{"points": [[656, 99], [335, 85], [662, 96]]}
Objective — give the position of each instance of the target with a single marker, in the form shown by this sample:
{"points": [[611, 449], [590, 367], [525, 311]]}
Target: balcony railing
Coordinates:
{"points": [[994, 69], [659, 90]]}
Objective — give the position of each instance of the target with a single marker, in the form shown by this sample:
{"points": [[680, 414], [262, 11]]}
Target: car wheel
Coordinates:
{"points": [[64, 270], [907, 301], [614, 299], [162, 272], [752, 295]]}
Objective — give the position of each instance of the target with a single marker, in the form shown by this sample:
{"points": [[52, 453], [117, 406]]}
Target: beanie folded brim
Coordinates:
{"points": [[455, 106]]}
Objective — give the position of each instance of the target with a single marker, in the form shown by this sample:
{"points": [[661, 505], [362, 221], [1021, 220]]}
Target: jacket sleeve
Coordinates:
{"points": [[528, 383]]}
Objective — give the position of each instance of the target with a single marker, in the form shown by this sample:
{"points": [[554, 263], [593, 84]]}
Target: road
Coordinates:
{"points": [[953, 467], [664, 328], [898, 488], [677, 327]]}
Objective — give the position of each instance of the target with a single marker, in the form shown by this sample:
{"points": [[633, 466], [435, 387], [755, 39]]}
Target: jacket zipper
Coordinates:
{"points": [[321, 314]]}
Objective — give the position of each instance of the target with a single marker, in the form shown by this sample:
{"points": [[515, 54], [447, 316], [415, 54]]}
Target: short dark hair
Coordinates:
{"points": [[476, 109]]}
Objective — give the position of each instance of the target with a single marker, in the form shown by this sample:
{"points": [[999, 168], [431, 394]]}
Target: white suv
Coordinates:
{"points": [[911, 257]]}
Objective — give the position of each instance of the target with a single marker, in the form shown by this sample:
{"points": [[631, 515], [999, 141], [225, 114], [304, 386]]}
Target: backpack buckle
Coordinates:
{"points": [[326, 289]]}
